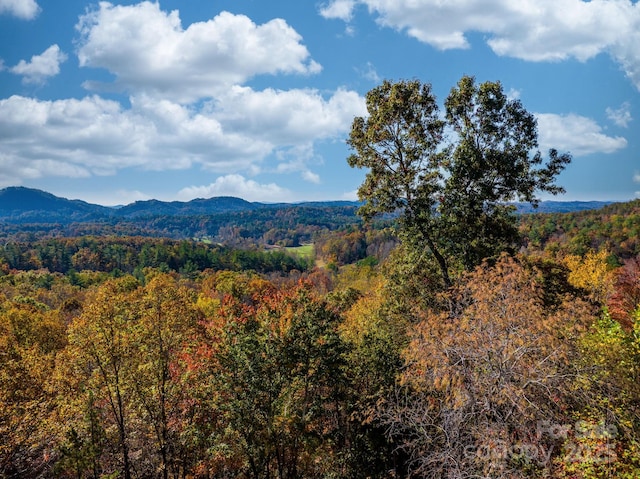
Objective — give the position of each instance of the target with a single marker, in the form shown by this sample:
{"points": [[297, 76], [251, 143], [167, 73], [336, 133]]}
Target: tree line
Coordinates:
{"points": [[283, 226], [132, 254]]}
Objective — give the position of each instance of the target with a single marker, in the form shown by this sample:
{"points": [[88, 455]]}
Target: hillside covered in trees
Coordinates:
{"points": [[615, 227], [27, 214], [454, 340], [530, 363]]}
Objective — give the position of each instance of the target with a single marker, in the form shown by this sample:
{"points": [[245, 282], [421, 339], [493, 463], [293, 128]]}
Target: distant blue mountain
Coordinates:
{"points": [[198, 206], [35, 206], [560, 206], [27, 205]]}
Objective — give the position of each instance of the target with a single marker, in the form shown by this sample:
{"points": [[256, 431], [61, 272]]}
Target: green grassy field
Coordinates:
{"points": [[304, 251]]}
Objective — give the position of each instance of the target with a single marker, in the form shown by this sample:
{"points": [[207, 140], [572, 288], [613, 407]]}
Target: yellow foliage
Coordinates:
{"points": [[361, 277], [592, 274], [207, 305], [364, 316]]}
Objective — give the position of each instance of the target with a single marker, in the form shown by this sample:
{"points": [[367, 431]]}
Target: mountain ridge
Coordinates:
{"points": [[33, 205], [20, 204], [29, 205]]}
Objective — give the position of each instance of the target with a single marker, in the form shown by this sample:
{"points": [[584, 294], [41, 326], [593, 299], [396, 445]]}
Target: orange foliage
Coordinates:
{"points": [[491, 369], [626, 297]]}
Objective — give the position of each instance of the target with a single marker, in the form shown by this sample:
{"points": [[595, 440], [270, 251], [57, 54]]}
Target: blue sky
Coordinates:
{"points": [[112, 102]]}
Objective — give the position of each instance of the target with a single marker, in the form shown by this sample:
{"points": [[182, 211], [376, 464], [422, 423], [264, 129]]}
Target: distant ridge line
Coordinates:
{"points": [[28, 205]]}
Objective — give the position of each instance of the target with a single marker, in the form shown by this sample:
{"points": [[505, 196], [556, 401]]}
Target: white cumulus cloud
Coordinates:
{"points": [[311, 177], [577, 134], [188, 105], [25, 9], [148, 50], [94, 136], [289, 117], [14, 170], [42, 66], [238, 186], [534, 30], [513, 94], [340, 9], [350, 195], [620, 116], [370, 73], [75, 137], [294, 160]]}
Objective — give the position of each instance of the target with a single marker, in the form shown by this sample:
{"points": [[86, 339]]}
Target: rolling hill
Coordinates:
{"points": [[27, 205], [35, 206], [32, 213]]}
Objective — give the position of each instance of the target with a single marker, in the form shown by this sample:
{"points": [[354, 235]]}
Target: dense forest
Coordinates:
{"points": [[364, 370], [28, 215], [615, 227], [117, 255], [452, 340], [284, 226]]}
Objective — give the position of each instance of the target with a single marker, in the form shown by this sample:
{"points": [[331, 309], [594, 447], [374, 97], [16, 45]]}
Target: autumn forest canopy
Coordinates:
{"points": [[441, 335]]}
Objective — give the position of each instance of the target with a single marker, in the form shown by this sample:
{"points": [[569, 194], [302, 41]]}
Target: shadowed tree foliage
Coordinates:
{"points": [[275, 369], [452, 187]]}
